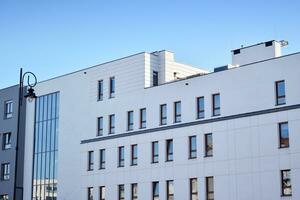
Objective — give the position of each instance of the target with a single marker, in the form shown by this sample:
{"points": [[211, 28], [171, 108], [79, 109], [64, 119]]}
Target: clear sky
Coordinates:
{"points": [[51, 38]]}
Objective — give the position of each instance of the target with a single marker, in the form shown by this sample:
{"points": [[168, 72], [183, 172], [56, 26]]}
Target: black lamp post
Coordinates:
{"points": [[31, 96]]}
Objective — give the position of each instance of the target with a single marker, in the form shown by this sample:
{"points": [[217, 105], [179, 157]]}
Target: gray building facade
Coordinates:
{"points": [[9, 99]]}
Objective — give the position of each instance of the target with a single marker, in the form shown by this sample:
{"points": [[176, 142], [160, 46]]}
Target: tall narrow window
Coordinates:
{"points": [[112, 87], [155, 190], [163, 114], [100, 90], [280, 92], [102, 159], [208, 144], [130, 120], [134, 154], [286, 186], [99, 126], [169, 150], [4, 197], [121, 160], [155, 78], [155, 152], [177, 112], [216, 104], [170, 190], [111, 128], [90, 160], [8, 112], [90, 193], [143, 118], [5, 171], [200, 107], [193, 189], [121, 192], [6, 141], [192, 147], [134, 191], [283, 135], [210, 188], [102, 193]]}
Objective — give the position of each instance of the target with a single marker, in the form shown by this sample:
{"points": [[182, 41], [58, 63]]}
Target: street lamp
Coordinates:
{"points": [[31, 96]]}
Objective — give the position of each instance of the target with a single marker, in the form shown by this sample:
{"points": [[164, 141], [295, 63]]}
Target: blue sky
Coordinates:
{"points": [[55, 37]]}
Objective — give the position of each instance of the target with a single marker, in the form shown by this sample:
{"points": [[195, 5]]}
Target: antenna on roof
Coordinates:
{"points": [[283, 43]]}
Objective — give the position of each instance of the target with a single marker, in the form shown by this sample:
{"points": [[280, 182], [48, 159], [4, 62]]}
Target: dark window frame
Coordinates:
{"points": [[169, 154], [5, 171], [121, 189], [192, 152], [90, 161], [4, 197], [112, 87], [281, 143], [199, 109], [134, 196], [121, 157], [8, 109], [100, 126], [130, 120], [177, 114], [216, 110], [155, 78], [168, 194], [100, 90], [143, 121], [111, 124], [102, 159], [102, 190], [90, 191], [154, 195], [283, 187], [6, 141], [207, 146], [191, 188], [134, 158], [163, 116], [154, 155], [208, 190], [278, 97]]}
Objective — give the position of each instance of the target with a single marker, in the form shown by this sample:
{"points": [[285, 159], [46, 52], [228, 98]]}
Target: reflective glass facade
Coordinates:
{"points": [[45, 148]]}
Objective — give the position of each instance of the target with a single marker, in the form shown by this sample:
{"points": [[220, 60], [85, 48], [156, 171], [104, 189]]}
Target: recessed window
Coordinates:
{"points": [[5, 171], [268, 44], [177, 112], [121, 192], [112, 87], [155, 152], [90, 191], [8, 109], [286, 186], [216, 104], [208, 139], [210, 188], [170, 190], [99, 126], [155, 78], [100, 90], [111, 128], [4, 197], [237, 51], [200, 107], [163, 114], [121, 157], [102, 192], [283, 135], [102, 159], [143, 118], [130, 120], [134, 191], [6, 141], [155, 190], [90, 160], [280, 92], [134, 154], [193, 189], [192, 147], [169, 150]]}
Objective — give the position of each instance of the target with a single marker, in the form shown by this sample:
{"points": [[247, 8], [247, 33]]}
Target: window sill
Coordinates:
{"points": [[121, 166], [169, 160], [216, 115], [154, 162], [208, 156], [284, 147], [192, 158], [101, 168], [132, 165]]}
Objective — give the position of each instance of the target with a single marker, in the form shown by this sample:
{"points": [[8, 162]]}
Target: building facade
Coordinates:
{"points": [[9, 98], [147, 127]]}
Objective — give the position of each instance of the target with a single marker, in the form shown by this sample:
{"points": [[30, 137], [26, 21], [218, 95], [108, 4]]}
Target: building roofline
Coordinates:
{"points": [[253, 45], [16, 85]]}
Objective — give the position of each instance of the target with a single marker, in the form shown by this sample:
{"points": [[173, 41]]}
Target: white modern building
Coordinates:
{"points": [[147, 127]]}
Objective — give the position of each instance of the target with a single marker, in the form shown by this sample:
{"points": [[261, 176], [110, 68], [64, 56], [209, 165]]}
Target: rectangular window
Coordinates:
{"points": [[163, 114], [134, 154], [283, 135], [193, 189], [130, 120], [192, 147], [112, 87], [170, 190], [155, 152], [155, 78], [102, 159], [210, 188], [143, 118], [8, 109], [90, 160], [99, 126], [286, 186], [121, 192], [216, 104], [134, 191], [90, 193], [208, 144], [111, 128], [177, 112], [100, 90], [280, 92], [4, 197], [102, 193], [5, 171], [200, 107], [6, 141], [155, 190], [169, 150], [121, 159]]}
